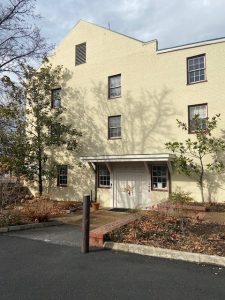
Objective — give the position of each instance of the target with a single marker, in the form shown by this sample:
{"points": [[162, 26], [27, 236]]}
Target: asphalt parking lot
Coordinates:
{"points": [[47, 264]]}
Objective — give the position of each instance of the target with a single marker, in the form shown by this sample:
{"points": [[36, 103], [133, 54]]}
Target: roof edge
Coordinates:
{"points": [[191, 45]]}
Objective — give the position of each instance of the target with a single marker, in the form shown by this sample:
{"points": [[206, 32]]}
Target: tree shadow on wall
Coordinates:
{"points": [[146, 120]]}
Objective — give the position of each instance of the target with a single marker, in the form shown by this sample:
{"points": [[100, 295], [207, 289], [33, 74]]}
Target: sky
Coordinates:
{"points": [[171, 22]]}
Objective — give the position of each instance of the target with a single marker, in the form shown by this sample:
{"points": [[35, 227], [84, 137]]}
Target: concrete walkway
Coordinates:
{"points": [[97, 218]]}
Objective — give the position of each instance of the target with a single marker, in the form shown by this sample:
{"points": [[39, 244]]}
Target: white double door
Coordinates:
{"points": [[131, 187]]}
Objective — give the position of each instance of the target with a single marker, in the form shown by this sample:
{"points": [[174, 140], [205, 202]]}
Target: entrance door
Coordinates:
{"points": [[132, 189]]}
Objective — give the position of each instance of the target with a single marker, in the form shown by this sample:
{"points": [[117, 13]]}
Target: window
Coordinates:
{"points": [[159, 177], [55, 133], [103, 176], [56, 98], [200, 111], [62, 175], [114, 127], [196, 69], [80, 55], [114, 86]]}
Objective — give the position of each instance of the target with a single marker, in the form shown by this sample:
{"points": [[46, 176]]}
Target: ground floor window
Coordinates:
{"points": [[159, 177], [62, 175], [103, 176]]}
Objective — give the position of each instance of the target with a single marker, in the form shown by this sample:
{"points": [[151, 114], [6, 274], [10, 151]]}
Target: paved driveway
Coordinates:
{"points": [[69, 235], [38, 269]]}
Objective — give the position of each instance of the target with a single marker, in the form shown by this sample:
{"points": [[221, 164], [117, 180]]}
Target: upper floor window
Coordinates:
{"points": [[62, 175], [159, 177], [56, 98], [55, 133], [196, 69], [114, 127], [103, 176], [80, 54], [114, 86], [201, 112]]}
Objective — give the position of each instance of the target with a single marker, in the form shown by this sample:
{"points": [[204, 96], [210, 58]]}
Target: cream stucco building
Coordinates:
{"points": [[125, 96]]}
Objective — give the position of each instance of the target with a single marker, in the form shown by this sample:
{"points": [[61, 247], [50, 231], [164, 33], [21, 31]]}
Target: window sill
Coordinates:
{"points": [[114, 97], [62, 185], [160, 190], [114, 138], [196, 82], [104, 187], [83, 63], [195, 132]]}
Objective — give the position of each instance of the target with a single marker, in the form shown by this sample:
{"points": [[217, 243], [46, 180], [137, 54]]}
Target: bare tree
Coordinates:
{"points": [[20, 38]]}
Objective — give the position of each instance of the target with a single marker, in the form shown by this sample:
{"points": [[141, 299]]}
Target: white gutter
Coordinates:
{"points": [[193, 45], [129, 158]]}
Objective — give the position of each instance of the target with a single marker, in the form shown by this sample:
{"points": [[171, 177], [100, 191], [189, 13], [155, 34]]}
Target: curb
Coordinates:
{"points": [[29, 226], [166, 253]]}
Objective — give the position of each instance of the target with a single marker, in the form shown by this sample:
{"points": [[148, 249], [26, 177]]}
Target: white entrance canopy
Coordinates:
{"points": [[167, 157]]}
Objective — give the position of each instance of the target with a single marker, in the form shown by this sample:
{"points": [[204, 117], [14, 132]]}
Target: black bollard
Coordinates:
{"points": [[85, 224]]}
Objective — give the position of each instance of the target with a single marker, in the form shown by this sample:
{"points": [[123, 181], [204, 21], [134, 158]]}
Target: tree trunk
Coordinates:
{"points": [[202, 192], [201, 181], [40, 186]]}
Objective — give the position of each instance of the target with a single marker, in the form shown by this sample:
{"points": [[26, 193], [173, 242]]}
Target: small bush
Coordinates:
{"points": [[10, 219], [180, 197], [40, 211]]}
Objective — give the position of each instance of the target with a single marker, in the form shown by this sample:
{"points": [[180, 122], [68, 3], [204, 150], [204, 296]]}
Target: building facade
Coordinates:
{"points": [[125, 96]]}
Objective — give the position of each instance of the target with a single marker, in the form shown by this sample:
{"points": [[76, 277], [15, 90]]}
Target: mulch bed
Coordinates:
{"points": [[158, 230], [36, 210]]}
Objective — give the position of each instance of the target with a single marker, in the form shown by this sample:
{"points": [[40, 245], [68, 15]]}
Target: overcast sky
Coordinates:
{"points": [[172, 22]]}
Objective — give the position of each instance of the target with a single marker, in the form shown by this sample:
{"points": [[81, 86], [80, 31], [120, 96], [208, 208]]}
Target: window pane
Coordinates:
{"points": [[62, 175], [114, 126], [196, 69], [56, 98], [159, 177], [201, 112], [114, 86], [115, 81], [103, 176], [115, 92]]}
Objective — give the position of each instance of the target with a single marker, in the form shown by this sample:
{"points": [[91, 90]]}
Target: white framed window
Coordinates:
{"points": [[55, 133], [56, 98], [114, 86], [159, 177], [62, 177], [114, 127], [200, 111], [103, 176], [196, 69]]}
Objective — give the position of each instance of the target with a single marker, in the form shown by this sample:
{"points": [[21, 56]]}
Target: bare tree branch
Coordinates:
{"points": [[20, 38]]}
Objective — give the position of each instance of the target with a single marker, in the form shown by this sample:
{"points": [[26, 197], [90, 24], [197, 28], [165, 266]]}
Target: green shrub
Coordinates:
{"points": [[180, 197]]}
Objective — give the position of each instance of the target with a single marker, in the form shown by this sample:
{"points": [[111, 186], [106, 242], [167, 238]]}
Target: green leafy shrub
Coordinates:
{"points": [[180, 197]]}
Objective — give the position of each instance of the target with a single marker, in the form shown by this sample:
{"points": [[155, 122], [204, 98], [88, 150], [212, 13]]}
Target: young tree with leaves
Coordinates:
{"points": [[12, 128], [45, 128], [200, 153]]}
